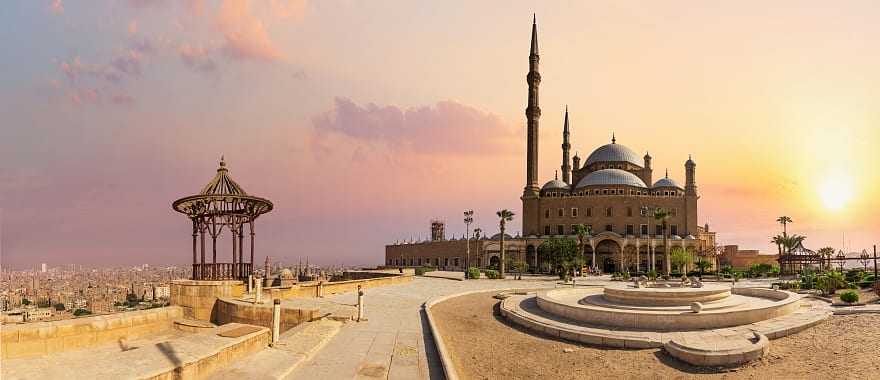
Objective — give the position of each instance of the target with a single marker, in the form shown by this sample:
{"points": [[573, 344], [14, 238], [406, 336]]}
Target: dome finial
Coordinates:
{"points": [[613, 139], [222, 161], [667, 172]]}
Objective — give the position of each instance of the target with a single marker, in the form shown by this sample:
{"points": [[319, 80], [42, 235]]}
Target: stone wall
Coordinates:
{"points": [[229, 310], [197, 298], [43, 338], [745, 258], [310, 289]]}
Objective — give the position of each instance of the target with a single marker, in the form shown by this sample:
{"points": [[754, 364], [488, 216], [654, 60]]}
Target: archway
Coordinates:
{"points": [[607, 251], [531, 258], [494, 261]]}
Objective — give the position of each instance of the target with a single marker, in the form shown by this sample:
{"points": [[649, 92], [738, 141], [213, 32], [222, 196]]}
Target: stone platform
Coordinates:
{"points": [[174, 355]]}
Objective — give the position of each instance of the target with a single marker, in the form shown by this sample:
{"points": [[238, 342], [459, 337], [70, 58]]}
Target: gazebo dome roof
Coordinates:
{"points": [[222, 184]]}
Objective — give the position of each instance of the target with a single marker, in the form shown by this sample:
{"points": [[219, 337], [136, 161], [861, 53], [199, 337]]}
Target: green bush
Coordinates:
{"points": [[420, 271], [492, 274], [79, 312], [652, 275], [849, 296], [473, 273]]}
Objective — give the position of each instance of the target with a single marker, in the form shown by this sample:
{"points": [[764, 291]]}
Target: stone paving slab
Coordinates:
{"points": [[295, 346]]}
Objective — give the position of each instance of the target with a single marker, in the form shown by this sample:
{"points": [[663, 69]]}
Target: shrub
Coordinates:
{"points": [[652, 275], [492, 274], [473, 273], [79, 312], [420, 271], [849, 296]]}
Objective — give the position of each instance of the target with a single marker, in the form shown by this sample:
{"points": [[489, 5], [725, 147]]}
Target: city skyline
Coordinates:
{"points": [[104, 132]]}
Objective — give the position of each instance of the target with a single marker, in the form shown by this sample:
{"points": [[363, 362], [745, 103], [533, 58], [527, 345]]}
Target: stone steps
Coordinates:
{"points": [[295, 346]]}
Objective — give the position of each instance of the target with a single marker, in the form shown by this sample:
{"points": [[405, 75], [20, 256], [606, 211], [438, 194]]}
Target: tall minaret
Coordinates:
{"points": [[690, 183], [533, 113], [566, 165]]}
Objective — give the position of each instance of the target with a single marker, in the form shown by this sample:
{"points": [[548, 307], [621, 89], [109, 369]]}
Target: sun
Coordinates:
{"points": [[836, 192]]}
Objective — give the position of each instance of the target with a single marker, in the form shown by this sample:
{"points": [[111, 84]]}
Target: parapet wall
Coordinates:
{"points": [[229, 310], [43, 338], [197, 298], [310, 289]]}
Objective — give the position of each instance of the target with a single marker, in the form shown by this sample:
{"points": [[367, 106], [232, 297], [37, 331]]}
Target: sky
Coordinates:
{"points": [[364, 120]]}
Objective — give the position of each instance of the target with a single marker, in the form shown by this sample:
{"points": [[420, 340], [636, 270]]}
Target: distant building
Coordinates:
{"points": [[162, 291], [745, 258], [43, 267]]}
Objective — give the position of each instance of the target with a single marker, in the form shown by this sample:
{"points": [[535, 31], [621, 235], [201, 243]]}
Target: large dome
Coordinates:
{"points": [[611, 177], [614, 153]]}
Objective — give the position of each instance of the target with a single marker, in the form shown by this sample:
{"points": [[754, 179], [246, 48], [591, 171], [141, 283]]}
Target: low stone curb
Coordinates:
{"points": [[734, 352], [442, 351]]}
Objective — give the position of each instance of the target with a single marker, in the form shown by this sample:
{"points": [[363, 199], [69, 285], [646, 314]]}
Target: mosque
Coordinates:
{"points": [[613, 193]]}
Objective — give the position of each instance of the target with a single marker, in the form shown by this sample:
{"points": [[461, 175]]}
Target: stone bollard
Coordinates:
{"points": [[250, 286], [258, 292], [360, 315], [276, 320], [696, 307], [320, 289]]}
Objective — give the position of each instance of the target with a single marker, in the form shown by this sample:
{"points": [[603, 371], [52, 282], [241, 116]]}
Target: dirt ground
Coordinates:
{"points": [[485, 346]]}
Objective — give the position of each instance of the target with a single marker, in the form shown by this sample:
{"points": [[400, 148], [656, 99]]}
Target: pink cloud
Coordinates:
{"points": [[196, 57], [128, 63], [446, 127], [285, 9], [57, 7], [122, 100], [85, 96], [245, 36]]}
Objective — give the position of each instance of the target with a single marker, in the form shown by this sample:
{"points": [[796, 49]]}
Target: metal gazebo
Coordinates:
{"points": [[222, 205]]}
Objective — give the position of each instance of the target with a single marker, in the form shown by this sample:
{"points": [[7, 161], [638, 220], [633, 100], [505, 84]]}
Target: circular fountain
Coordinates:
{"points": [[668, 306]]}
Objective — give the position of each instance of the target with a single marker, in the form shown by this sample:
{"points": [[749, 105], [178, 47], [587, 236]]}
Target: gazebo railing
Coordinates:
{"points": [[221, 271]]}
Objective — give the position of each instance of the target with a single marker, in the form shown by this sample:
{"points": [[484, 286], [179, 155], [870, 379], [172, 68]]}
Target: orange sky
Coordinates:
{"points": [[363, 120]]}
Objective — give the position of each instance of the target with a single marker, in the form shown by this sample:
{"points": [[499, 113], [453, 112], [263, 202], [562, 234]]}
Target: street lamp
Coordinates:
{"points": [[468, 219], [864, 258], [477, 232], [841, 259]]}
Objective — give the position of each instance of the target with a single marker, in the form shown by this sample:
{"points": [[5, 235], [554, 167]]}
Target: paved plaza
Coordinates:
{"points": [[394, 342]]}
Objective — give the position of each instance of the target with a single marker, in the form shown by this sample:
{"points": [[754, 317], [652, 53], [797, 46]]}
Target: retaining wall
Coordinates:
{"points": [[229, 310], [43, 338]]}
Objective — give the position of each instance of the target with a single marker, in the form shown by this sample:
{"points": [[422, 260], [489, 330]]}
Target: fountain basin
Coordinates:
{"points": [[627, 294], [757, 305]]}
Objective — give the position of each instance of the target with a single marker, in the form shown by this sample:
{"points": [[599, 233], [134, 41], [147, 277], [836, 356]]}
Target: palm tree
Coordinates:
{"points": [[662, 216], [582, 231], [826, 253], [505, 216], [784, 221], [778, 240]]}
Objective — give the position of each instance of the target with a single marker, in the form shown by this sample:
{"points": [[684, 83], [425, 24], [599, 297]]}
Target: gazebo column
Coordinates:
{"points": [[234, 231], [195, 234], [241, 271], [252, 246], [202, 231]]}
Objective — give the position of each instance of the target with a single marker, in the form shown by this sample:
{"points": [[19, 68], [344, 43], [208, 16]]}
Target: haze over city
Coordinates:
{"points": [[362, 121]]}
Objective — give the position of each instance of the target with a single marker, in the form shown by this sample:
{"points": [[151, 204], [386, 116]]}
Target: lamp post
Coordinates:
{"points": [[468, 219], [841, 258], [477, 232]]}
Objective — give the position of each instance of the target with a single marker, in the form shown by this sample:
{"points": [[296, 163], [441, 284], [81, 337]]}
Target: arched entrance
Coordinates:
{"points": [[607, 252], [531, 258], [494, 262]]}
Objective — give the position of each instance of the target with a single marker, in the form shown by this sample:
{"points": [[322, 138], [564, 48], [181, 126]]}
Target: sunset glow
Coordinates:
{"points": [[364, 120]]}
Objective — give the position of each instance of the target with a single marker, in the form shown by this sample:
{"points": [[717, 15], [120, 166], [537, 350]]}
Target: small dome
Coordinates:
{"points": [[286, 274], [611, 177], [554, 185], [613, 153], [666, 182]]}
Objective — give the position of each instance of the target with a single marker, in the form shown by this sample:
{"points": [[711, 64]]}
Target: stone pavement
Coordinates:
{"points": [[395, 342]]}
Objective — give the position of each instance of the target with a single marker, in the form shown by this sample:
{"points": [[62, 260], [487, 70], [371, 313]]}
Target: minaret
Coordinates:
{"points": [[576, 162], [690, 186], [566, 166], [533, 113]]}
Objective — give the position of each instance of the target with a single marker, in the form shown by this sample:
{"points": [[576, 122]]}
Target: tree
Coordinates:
{"points": [[505, 215], [784, 221], [59, 306], [25, 301], [563, 255], [825, 253], [778, 240], [703, 265], [582, 232], [679, 258], [662, 216], [79, 312]]}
